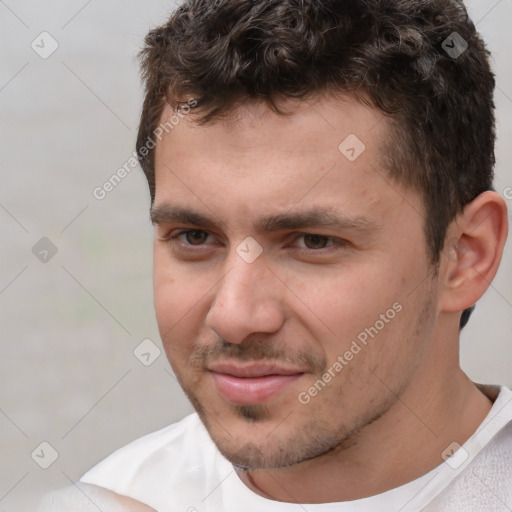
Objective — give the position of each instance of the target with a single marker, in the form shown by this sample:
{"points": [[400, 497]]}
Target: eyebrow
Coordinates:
{"points": [[316, 217], [161, 214]]}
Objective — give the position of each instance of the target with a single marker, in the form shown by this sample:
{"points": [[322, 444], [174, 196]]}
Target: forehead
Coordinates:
{"points": [[300, 123], [326, 151]]}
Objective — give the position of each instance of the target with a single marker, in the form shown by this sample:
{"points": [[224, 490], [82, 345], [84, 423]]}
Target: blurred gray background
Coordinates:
{"points": [[71, 320]]}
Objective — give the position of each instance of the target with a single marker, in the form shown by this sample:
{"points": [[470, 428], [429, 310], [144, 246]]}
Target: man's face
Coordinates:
{"points": [[293, 292]]}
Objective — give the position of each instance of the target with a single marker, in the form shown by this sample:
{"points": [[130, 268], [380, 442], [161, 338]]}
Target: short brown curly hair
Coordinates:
{"points": [[391, 54]]}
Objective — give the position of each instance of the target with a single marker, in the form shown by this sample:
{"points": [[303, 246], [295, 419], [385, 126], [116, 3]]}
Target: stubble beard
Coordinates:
{"points": [[308, 440], [280, 447]]}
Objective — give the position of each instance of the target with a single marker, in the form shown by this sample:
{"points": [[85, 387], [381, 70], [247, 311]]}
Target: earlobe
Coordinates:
{"points": [[476, 239]]}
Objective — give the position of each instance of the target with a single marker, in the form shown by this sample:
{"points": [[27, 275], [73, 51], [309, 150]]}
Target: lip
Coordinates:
{"points": [[253, 370], [252, 383]]}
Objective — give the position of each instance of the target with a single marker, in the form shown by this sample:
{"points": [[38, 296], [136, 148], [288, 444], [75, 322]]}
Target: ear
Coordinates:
{"points": [[473, 251]]}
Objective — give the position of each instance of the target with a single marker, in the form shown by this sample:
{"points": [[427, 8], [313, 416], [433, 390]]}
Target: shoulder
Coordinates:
{"points": [[89, 498], [178, 457], [484, 484], [162, 447]]}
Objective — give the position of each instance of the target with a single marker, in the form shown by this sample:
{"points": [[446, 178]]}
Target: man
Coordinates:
{"points": [[321, 190]]}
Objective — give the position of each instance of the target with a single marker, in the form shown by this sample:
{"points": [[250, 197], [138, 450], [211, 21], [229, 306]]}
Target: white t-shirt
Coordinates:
{"points": [[179, 469]]}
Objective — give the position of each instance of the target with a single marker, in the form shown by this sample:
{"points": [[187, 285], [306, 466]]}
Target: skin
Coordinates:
{"points": [[305, 299], [90, 498]]}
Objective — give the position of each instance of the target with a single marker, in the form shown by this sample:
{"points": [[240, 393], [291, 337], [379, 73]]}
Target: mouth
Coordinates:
{"points": [[252, 383]]}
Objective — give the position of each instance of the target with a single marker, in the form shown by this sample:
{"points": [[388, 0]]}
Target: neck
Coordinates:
{"points": [[402, 445]]}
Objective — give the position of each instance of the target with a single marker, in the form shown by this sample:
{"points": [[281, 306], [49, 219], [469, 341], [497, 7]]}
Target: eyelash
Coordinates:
{"points": [[185, 246]]}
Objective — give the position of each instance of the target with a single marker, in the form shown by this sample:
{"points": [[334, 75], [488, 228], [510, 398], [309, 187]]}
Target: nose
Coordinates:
{"points": [[246, 301]]}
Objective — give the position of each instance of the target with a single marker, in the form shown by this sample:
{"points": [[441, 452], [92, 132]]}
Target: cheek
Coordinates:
{"points": [[178, 318], [342, 305], [176, 297], [176, 304]]}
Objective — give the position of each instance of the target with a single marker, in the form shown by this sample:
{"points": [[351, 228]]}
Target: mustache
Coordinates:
{"points": [[257, 350]]}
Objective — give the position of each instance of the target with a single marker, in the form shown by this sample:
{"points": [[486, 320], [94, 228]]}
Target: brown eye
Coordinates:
{"points": [[196, 237], [316, 241]]}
